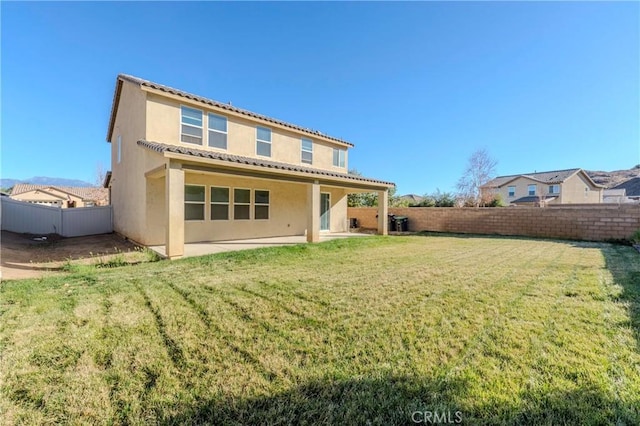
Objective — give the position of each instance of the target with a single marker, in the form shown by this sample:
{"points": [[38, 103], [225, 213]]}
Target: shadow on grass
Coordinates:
{"points": [[624, 264], [405, 401]]}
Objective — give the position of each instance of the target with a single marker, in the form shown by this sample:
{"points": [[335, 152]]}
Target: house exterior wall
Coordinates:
{"points": [[128, 186], [163, 125], [572, 190], [287, 210], [521, 185]]}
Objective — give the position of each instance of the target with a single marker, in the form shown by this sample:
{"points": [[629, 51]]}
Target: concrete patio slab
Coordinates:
{"points": [[204, 248]]}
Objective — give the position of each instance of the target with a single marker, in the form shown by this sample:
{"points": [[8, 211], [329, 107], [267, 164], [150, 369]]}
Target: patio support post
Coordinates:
{"points": [[383, 211], [174, 208], [313, 212]]}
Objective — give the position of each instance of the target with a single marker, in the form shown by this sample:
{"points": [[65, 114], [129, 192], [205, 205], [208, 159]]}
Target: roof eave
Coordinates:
{"points": [[378, 185], [114, 107]]}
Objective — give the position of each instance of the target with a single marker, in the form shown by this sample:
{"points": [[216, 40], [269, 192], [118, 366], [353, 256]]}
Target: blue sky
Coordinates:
{"points": [[417, 87]]}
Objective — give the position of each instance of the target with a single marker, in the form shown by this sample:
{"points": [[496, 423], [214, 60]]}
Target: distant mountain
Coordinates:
{"points": [[43, 180], [609, 179]]}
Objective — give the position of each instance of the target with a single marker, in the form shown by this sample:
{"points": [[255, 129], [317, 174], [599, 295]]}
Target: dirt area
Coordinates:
{"points": [[32, 256]]}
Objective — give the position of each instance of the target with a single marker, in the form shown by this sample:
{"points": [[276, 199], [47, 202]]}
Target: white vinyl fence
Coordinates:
{"points": [[21, 217]]}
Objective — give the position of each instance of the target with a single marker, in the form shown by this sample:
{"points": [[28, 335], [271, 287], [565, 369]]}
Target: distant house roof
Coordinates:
{"points": [[532, 199], [210, 102], [162, 148], [412, 198], [549, 178], [631, 187], [85, 193]]}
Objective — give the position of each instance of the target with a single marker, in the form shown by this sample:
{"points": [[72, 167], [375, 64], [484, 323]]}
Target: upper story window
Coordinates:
{"points": [[191, 125], [263, 141], [194, 202], [554, 189], [338, 157], [531, 189], [512, 191], [217, 131], [307, 151]]}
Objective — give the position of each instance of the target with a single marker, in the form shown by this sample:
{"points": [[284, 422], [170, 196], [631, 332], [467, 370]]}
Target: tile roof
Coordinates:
{"points": [[631, 187], [211, 102], [552, 177], [84, 192], [161, 147], [532, 199]]}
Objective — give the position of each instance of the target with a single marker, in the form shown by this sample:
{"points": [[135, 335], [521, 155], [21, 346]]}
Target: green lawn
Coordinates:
{"points": [[361, 331]]}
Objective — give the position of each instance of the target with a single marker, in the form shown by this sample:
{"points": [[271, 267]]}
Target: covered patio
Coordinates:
{"points": [[205, 248], [300, 203]]}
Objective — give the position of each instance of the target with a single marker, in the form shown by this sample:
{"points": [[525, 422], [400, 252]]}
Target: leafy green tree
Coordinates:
{"points": [[370, 199]]}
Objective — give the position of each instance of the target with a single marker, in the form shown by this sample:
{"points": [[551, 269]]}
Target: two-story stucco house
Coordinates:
{"points": [[185, 168], [571, 186]]}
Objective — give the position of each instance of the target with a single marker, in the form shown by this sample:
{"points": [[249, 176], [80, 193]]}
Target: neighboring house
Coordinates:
{"points": [[625, 192], [185, 168], [60, 196], [572, 186]]}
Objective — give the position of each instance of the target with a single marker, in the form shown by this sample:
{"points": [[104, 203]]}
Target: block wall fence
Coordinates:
{"points": [[587, 222]]}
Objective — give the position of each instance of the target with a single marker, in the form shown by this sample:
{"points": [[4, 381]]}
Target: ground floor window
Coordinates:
{"points": [[194, 202], [219, 203], [261, 204], [241, 204]]}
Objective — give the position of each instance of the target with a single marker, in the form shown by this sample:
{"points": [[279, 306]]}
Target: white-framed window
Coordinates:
{"points": [[261, 204], [190, 125], [119, 149], [263, 141], [219, 203], [512, 191], [194, 202], [307, 151], [554, 189], [531, 189], [586, 192], [241, 204], [338, 157], [217, 131]]}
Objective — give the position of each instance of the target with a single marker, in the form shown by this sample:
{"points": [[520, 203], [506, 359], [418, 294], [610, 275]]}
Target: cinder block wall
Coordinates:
{"points": [[577, 222]]}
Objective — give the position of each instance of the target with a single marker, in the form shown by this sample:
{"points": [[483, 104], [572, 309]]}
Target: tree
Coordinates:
{"points": [[370, 199], [100, 174], [480, 170]]}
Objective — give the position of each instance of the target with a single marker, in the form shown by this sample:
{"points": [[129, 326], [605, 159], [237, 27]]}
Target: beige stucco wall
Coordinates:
{"points": [[163, 125], [521, 185], [128, 186], [573, 191], [287, 210]]}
